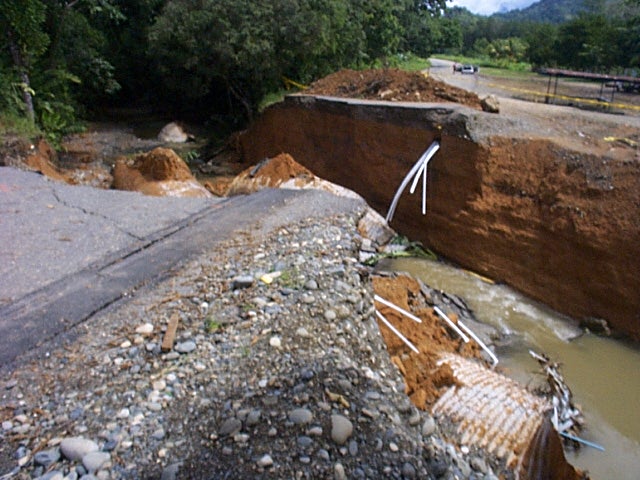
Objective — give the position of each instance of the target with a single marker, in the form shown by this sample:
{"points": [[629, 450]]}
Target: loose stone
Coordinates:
{"points": [[265, 461], [330, 315], [323, 454], [145, 329], [74, 448], [52, 475], [300, 416], [170, 472], [338, 472], [275, 342], [242, 281], [253, 417], [47, 457], [302, 332], [186, 347], [428, 427], [341, 429], [95, 460], [230, 427], [408, 470]]}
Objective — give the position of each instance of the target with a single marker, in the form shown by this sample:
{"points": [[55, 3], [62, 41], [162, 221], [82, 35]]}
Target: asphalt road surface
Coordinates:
{"points": [[68, 252]]}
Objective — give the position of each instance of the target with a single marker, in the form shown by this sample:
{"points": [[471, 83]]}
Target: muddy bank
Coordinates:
{"points": [[554, 216]]}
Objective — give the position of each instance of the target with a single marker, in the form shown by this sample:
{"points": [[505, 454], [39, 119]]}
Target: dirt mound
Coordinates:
{"points": [[391, 85], [269, 173], [161, 172]]}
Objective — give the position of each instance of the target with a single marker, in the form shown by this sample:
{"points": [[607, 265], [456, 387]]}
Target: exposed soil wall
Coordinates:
{"points": [[559, 224]]}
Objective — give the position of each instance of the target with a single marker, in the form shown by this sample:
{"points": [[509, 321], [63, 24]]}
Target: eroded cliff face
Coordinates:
{"points": [[560, 224]]}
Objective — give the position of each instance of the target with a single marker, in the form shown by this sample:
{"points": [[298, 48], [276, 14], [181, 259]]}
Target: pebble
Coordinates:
{"points": [[408, 470], [323, 454], [478, 464], [47, 457], [52, 475], [242, 281], [230, 426], [428, 427], [265, 461], [185, 347], [145, 329], [330, 315], [311, 285], [338, 472], [300, 416], [341, 429], [170, 472], [75, 448], [275, 342], [302, 332], [95, 460]]}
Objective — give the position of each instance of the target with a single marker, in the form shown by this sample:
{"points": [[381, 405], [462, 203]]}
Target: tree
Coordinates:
{"points": [[22, 23], [541, 41]]}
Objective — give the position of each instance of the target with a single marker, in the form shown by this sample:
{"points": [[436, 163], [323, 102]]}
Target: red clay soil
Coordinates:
{"points": [[158, 172], [391, 85], [268, 174], [557, 221], [425, 381]]}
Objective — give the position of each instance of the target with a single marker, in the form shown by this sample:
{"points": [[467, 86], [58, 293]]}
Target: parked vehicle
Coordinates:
{"points": [[468, 69]]}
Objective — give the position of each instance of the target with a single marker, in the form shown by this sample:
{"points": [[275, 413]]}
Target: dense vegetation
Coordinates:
{"points": [[64, 59]]}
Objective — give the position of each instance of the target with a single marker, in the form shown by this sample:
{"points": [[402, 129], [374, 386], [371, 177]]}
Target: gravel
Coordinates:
{"points": [[287, 378]]}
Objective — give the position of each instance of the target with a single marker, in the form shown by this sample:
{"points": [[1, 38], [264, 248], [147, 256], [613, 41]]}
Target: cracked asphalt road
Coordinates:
{"points": [[69, 252]]}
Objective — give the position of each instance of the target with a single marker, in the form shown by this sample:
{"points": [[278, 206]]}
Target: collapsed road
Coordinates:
{"points": [[71, 251]]}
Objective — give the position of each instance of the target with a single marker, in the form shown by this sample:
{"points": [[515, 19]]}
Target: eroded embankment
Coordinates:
{"points": [[559, 224]]}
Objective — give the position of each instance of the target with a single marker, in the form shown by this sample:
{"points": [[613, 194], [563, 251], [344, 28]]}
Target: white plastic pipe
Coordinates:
{"points": [[422, 168], [378, 298], [394, 330], [479, 342], [426, 156], [451, 324], [424, 189]]}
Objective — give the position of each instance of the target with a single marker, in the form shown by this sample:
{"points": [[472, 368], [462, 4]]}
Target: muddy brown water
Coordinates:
{"points": [[602, 373]]}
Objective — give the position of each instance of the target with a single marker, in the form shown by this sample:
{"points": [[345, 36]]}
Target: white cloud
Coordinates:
{"points": [[487, 7]]}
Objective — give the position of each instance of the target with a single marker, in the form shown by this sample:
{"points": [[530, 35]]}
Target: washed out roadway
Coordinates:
{"points": [[67, 252]]}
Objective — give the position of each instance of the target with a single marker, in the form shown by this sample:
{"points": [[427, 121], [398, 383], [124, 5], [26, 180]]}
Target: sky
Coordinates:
{"points": [[487, 7]]}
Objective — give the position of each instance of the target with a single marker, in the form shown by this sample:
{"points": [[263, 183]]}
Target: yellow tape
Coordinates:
{"points": [[565, 97], [626, 141], [288, 83]]}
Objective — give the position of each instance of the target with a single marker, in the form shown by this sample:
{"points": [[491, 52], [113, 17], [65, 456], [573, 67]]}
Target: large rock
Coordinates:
{"points": [[160, 172], [174, 133]]}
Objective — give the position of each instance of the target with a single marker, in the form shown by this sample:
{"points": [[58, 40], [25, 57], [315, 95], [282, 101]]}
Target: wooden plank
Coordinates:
{"points": [[170, 334]]}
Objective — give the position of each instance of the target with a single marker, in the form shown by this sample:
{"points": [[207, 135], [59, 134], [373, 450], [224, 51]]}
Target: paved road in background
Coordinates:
{"points": [[70, 251]]}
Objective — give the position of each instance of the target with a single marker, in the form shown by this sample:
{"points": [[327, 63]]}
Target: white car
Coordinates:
{"points": [[468, 69]]}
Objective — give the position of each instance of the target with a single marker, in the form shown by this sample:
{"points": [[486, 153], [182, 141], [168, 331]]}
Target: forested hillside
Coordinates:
{"points": [[561, 11], [64, 60], [547, 11]]}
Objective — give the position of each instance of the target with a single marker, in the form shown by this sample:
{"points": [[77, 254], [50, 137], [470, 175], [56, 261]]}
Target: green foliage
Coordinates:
{"points": [[211, 325], [408, 249], [231, 53], [411, 62]]}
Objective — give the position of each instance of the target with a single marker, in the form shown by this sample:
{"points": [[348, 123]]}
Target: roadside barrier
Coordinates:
{"points": [[589, 101]]}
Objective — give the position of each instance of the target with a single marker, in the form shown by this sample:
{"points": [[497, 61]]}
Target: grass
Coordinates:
{"points": [[18, 125], [211, 325]]}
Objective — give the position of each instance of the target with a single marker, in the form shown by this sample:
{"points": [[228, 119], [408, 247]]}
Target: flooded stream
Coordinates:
{"points": [[602, 373]]}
